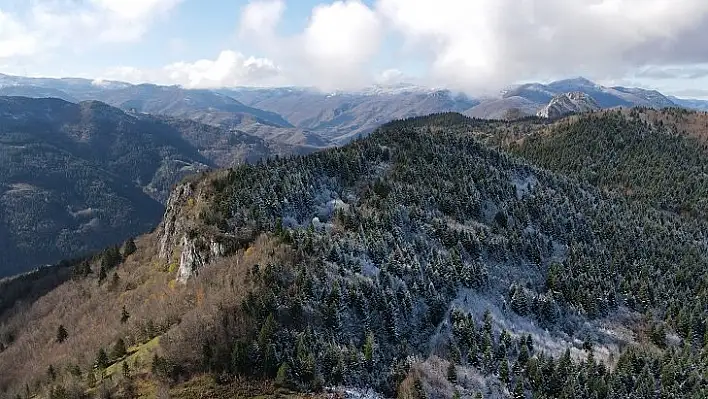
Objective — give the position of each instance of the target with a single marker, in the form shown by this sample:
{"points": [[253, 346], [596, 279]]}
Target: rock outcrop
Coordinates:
{"points": [[172, 224], [187, 239], [183, 237], [568, 103]]}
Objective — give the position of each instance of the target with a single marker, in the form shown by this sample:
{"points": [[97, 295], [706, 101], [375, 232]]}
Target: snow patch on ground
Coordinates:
{"points": [[524, 184]]}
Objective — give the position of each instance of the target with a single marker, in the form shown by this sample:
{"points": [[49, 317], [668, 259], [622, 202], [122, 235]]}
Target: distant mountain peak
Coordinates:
{"points": [[577, 81]]}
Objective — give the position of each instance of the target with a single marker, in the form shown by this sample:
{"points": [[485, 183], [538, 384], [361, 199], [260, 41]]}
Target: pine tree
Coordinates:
{"points": [[102, 359], [419, 390], [51, 373], [369, 349], [519, 390], [282, 378], [58, 392], [115, 280], [119, 349], [529, 343], [239, 358], [62, 334], [452, 373], [126, 370], [129, 248], [124, 315], [504, 372], [102, 275], [266, 347], [91, 379], [111, 258], [488, 322], [523, 355], [81, 269]]}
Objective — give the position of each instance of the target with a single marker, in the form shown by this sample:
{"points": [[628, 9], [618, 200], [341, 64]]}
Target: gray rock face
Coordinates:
{"points": [[568, 103], [172, 225], [196, 255], [180, 234], [191, 260]]}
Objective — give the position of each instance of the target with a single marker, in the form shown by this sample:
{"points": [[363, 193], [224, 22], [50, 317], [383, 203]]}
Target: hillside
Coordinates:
{"points": [[418, 262], [79, 177], [657, 157]]}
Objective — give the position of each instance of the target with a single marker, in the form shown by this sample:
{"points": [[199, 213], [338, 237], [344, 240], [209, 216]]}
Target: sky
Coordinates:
{"points": [[475, 46]]}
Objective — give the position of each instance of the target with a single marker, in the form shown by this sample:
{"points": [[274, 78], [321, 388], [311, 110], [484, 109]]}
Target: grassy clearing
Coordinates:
{"points": [[138, 359]]}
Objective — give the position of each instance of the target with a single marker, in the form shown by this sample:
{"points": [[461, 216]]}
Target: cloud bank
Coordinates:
{"points": [[470, 45]]}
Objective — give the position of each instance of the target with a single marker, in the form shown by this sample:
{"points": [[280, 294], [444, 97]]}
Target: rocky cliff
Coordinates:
{"points": [[568, 103], [182, 237]]}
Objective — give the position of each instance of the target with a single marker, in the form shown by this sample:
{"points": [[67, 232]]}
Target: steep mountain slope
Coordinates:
{"points": [[78, 177], [416, 261], [568, 103]]}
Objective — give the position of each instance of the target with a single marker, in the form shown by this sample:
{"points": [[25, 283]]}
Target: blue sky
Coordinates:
{"points": [[471, 45]]}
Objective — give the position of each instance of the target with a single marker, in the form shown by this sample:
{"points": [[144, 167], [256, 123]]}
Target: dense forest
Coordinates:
{"points": [[628, 155], [420, 262]]}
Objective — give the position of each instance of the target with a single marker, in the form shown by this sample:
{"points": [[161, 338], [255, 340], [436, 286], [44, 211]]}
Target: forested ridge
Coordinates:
{"points": [[419, 262]]}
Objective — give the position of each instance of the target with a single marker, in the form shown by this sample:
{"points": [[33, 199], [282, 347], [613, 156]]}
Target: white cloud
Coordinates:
{"points": [[392, 77], [483, 43], [475, 45], [67, 24], [689, 72], [14, 38], [260, 18], [333, 50], [339, 41], [134, 10], [228, 69]]}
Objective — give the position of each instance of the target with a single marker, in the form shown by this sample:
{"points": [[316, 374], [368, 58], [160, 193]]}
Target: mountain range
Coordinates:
{"points": [[302, 116]]}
